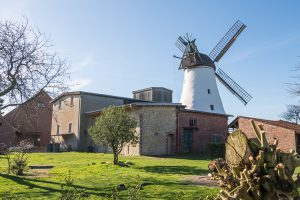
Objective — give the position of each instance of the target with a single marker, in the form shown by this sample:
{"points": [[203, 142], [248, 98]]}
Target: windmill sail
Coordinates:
{"points": [[226, 42], [233, 87], [181, 44]]}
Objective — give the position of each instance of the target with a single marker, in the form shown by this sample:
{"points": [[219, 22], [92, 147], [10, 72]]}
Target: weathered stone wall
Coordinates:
{"points": [[209, 128], [155, 123], [62, 116], [286, 137]]}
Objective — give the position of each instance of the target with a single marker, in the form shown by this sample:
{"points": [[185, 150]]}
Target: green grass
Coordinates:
{"points": [[166, 176]]}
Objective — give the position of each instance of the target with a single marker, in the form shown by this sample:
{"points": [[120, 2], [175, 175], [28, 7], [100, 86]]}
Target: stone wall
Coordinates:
{"points": [[64, 113], [287, 138], [155, 124]]}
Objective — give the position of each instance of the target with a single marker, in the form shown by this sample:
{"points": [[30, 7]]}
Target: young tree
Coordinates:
{"points": [[292, 113], [28, 65], [114, 128]]}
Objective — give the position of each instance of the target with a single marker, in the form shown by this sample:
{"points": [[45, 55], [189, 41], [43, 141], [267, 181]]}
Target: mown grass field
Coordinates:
{"points": [[166, 176]]}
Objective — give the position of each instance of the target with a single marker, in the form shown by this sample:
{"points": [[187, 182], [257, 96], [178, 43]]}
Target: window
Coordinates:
{"points": [[41, 105], [216, 139], [193, 122], [208, 91], [212, 107], [72, 101], [57, 129], [70, 127], [59, 104]]}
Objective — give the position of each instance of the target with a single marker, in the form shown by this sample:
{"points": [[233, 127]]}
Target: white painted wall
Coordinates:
{"points": [[195, 94]]}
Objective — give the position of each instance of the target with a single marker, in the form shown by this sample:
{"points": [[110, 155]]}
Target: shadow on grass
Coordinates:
{"points": [[165, 169], [187, 157], [34, 183]]}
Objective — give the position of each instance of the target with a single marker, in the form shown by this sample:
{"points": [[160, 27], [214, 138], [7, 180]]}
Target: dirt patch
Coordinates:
{"points": [[38, 173], [201, 180]]}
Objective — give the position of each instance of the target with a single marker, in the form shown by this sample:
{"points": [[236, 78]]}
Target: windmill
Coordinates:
{"points": [[200, 91]]}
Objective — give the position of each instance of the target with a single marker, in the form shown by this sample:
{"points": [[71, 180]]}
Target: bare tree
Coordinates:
{"points": [[294, 87], [292, 113], [27, 64]]}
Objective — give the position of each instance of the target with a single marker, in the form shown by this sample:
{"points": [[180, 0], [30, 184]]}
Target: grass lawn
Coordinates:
{"points": [[166, 176]]}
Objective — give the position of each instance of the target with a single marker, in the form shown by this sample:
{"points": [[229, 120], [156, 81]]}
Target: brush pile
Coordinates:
{"points": [[255, 169]]}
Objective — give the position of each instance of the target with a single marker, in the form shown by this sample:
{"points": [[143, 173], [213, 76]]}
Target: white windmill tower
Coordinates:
{"points": [[200, 91]]}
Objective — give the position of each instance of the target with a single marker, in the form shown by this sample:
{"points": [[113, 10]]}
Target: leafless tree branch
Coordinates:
{"points": [[27, 64]]}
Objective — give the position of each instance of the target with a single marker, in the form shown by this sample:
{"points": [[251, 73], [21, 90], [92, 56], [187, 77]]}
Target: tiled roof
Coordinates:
{"points": [[280, 123]]}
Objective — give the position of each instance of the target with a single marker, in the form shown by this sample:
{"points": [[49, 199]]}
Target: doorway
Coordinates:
{"points": [[187, 140], [170, 146]]}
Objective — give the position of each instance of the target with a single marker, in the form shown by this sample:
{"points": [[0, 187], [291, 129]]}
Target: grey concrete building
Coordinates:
{"points": [[156, 94]]}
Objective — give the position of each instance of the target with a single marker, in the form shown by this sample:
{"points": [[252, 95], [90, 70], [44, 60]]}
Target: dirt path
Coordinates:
{"points": [[201, 180]]}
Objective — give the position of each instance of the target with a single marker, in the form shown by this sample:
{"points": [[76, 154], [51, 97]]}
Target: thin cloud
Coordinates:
{"points": [[78, 84], [252, 52], [87, 61]]}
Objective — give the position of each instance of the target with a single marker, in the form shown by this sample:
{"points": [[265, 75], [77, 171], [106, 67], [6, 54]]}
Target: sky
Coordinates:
{"points": [[115, 47]]}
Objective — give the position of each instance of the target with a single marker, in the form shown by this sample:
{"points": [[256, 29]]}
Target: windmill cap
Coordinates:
{"points": [[197, 60]]}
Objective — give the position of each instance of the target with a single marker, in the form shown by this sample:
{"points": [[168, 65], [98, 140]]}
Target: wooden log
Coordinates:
{"points": [[237, 149]]}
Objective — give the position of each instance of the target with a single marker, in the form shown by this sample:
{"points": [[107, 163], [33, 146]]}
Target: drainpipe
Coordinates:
{"points": [[177, 130]]}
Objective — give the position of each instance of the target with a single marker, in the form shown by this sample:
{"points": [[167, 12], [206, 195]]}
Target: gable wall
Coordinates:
{"points": [[286, 137]]}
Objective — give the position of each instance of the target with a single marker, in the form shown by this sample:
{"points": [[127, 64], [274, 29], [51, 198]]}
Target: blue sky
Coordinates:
{"points": [[115, 47]]}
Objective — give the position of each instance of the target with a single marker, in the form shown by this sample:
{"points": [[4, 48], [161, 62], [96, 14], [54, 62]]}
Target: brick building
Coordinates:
{"points": [[286, 132], [7, 132], [30, 121], [196, 129]]}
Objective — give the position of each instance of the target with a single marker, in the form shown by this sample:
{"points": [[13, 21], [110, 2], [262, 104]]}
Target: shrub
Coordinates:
{"points": [[17, 158], [70, 192], [215, 150]]}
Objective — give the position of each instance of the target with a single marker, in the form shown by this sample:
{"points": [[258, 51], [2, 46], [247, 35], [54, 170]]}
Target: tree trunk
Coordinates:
{"points": [[116, 158], [237, 148]]}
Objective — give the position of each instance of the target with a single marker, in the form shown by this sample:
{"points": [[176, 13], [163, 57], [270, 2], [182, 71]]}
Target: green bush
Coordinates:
{"points": [[215, 150], [70, 192]]}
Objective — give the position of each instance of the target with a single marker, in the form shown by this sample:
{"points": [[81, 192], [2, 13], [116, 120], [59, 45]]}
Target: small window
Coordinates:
{"points": [[212, 107], [70, 127], [41, 105], [216, 139], [208, 91], [57, 129], [59, 104], [72, 101], [193, 122]]}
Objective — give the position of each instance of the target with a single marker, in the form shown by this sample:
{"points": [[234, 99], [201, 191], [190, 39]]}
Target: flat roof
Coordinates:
{"points": [[137, 104], [151, 88], [91, 93]]}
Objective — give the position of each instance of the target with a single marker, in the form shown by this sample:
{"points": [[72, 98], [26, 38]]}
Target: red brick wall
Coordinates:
{"points": [[33, 119], [286, 137], [207, 126], [7, 133]]}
